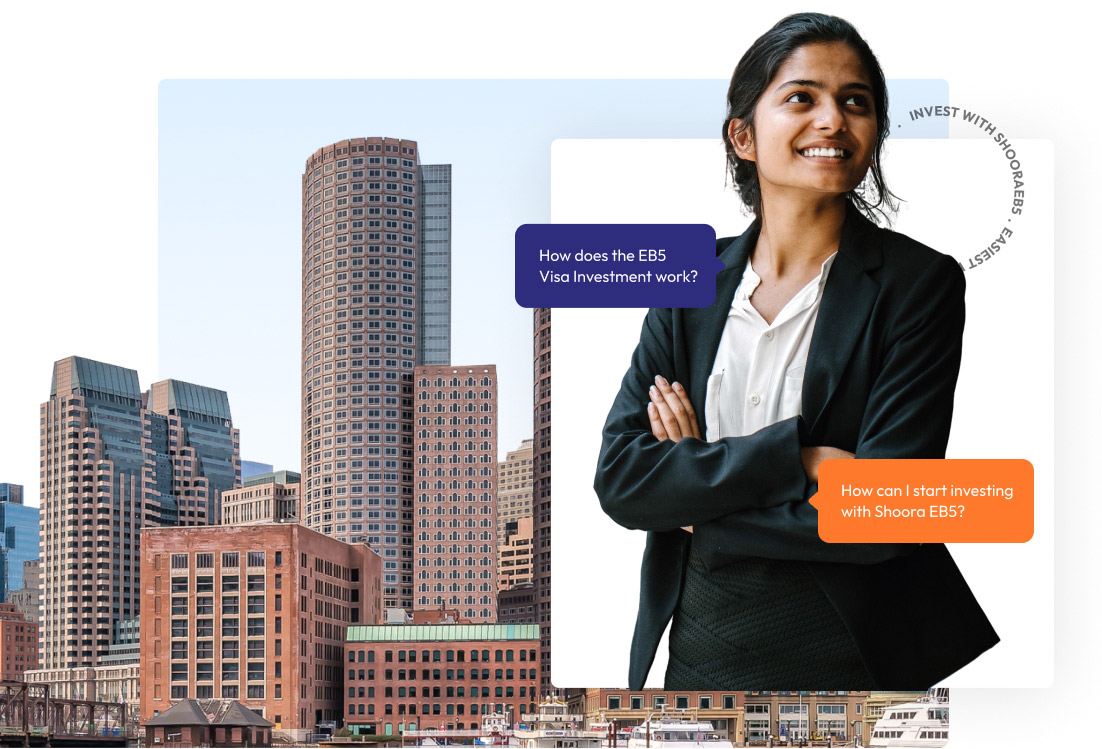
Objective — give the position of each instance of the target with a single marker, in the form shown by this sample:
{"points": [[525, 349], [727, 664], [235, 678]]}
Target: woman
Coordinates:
{"points": [[829, 338]]}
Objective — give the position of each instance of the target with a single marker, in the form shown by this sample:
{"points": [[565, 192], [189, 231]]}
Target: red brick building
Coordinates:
{"points": [[252, 613], [456, 490], [18, 643], [402, 678]]}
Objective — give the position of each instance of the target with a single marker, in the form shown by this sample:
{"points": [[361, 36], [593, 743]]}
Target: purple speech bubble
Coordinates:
{"points": [[616, 265]]}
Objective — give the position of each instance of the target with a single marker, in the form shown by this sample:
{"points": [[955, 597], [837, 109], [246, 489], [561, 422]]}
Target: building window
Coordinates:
{"points": [[637, 702], [256, 559], [728, 702], [179, 561], [682, 701], [705, 702], [659, 701], [230, 559], [204, 561]]}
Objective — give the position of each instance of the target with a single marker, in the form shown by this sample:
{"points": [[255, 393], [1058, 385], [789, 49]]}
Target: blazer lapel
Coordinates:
{"points": [[848, 299]]}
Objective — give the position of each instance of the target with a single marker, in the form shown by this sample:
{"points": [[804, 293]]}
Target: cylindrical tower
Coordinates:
{"points": [[360, 237]]}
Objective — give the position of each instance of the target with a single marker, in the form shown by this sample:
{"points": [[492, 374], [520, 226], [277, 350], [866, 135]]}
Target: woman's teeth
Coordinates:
{"points": [[830, 153]]}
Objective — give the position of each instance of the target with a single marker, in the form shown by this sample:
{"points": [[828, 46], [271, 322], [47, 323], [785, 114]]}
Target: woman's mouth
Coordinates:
{"points": [[825, 153]]}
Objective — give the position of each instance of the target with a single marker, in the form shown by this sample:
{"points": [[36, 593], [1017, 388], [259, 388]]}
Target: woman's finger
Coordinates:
{"points": [[693, 422], [656, 427], [673, 431]]}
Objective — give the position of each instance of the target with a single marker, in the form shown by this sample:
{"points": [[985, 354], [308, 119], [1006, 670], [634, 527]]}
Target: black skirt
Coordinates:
{"points": [[760, 624]]}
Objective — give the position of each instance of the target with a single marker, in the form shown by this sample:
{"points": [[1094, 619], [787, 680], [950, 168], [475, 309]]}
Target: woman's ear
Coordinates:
{"points": [[742, 139]]}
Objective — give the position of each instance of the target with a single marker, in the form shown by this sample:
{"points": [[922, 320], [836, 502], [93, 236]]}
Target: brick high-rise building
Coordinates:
{"points": [[514, 487], [456, 552], [368, 297], [253, 613], [541, 482], [115, 460]]}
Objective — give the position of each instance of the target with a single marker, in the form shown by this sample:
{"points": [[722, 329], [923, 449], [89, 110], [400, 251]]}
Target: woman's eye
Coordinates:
{"points": [[858, 100], [800, 97]]}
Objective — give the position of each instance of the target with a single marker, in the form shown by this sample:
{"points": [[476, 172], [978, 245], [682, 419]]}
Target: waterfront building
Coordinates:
{"points": [[409, 677], [12, 493], [368, 297], [225, 723], [517, 605], [456, 447], [628, 708], [541, 482], [801, 714], [116, 461], [18, 643], [255, 613], [271, 497], [514, 488]]}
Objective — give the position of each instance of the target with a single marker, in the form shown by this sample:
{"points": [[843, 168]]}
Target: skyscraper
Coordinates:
{"points": [[541, 483], [456, 548], [362, 235], [111, 465]]}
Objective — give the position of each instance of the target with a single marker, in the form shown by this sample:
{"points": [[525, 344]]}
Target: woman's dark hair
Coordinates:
{"points": [[759, 66]]}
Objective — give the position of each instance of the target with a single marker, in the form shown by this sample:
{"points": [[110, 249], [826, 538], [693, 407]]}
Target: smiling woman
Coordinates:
{"points": [[830, 338]]}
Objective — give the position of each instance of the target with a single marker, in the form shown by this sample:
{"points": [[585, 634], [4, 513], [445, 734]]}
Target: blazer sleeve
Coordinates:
{"points": [[908, 415], [653, 485]]}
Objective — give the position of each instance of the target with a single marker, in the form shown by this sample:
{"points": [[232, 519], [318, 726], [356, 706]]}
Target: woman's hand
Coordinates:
{"points": [[671, 414], [813, 456]]}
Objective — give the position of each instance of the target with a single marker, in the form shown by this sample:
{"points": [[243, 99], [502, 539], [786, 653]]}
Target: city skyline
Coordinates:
{"points": [[229, 222]]}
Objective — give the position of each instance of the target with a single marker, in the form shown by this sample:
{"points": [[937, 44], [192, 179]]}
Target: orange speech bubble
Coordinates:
{"points": [[925, 501]]}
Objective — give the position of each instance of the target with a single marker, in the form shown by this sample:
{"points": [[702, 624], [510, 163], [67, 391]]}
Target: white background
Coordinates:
{"points": [[1007, 352], [79, 154]]}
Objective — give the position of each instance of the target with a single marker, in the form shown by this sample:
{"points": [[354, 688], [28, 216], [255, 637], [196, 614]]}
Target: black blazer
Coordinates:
{"points": [[879, 382]]}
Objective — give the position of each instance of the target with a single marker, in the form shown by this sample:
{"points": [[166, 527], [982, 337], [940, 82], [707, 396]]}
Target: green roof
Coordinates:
{"points": [[442, 632]]}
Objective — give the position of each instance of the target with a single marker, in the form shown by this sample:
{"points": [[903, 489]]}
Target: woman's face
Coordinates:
{"points": [[814, 127]]}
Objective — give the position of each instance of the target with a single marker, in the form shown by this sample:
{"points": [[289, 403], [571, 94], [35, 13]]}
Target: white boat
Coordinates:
{"points": [[676, 731], [495, 730], [554, 726], [923, 723]]}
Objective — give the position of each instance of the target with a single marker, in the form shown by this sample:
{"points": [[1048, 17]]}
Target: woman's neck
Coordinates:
{"points": [[797, 236]]}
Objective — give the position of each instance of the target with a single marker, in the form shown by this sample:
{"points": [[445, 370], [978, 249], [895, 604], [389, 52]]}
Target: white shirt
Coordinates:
{"points": [[758, 375]]}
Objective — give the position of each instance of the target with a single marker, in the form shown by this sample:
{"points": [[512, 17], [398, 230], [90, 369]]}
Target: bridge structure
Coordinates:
{"points": [[29, 716]]}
